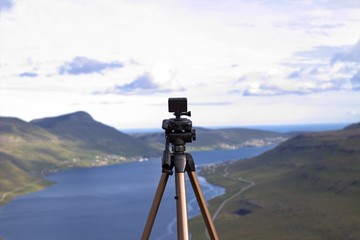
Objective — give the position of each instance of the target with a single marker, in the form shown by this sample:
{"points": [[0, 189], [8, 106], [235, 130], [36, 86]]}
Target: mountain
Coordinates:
{"points": [[306, 188], [81, 128], [30, 149], [21, 140], [25, 148]]}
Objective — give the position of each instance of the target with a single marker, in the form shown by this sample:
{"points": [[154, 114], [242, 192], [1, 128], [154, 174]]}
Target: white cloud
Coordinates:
{"points": [[355, 81], [349, 54], [283, 49], [84, 65], [354, 113], [324, 68], [300, 82]]}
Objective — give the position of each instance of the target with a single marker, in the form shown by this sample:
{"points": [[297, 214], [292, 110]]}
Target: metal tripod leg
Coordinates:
{"points": [[155, 206], [202, 204], [181, 207]]}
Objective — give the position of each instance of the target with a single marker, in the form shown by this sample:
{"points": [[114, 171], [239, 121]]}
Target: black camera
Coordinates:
{"points": [[177, 105], [179, 125]]}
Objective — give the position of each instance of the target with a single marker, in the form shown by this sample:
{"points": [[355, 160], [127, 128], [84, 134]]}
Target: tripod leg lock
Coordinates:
{"points": [[167, 170]]}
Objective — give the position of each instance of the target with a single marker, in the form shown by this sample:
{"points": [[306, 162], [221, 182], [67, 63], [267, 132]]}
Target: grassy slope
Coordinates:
{"points": [[27, 150], [21, 184], [80, 127], [307, 188]]}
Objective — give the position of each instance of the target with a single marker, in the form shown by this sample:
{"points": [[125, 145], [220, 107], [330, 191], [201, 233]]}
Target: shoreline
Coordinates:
{"points": [[37, 185], [41, 182], [202, 171]]}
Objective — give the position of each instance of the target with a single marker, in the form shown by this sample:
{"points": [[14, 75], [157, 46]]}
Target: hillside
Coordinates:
{"points": [[306, 188], [89, 134], [30, 149]]}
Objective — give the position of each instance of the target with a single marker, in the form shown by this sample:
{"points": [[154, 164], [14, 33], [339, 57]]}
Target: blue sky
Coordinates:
{"points": [[258, 62]]}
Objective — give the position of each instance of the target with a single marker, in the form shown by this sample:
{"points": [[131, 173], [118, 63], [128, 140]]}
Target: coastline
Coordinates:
{"points": [[41, 182], [212, 160], [35, 186]]}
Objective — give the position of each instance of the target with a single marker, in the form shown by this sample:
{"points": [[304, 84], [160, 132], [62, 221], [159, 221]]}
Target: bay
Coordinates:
{"points": [[107, 202]]}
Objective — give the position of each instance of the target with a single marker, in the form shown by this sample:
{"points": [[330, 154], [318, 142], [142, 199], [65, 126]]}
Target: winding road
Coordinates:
{"points": [[238, 193]]}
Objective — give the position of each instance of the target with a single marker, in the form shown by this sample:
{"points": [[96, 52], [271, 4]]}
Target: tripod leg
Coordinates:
{"points": [[181, 209], [155, 206], [202, 204]]}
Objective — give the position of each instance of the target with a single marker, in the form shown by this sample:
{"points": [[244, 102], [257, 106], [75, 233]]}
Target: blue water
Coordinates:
{"points": [[106, 203]]}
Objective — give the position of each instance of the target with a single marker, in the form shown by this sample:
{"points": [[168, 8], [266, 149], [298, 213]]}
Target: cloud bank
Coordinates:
{"points": [[64, 51], [322, 69], [143, 84], [28, 74], [83, 65], [351, 54], [355, 81]]}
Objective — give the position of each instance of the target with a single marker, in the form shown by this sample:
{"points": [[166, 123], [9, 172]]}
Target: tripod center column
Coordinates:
{"points": [[181, 208], [179, 161], [181, 204]]}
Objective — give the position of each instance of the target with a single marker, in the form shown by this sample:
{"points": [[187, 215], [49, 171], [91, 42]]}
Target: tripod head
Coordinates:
{"points": [[178, 131], [179, 127]]}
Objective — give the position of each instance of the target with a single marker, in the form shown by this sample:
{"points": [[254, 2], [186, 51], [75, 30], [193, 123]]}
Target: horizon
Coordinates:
{"points": [[312, 127], [238, 63], [324, 126]]}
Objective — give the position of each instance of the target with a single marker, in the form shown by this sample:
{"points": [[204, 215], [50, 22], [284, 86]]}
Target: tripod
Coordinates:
{"points": [[182, 162]]}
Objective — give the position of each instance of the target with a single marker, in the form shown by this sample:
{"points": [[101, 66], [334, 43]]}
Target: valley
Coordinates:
{"points": [[31, 150]]}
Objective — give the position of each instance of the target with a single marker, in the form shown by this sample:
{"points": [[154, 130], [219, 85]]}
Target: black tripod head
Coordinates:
{"points": [[178, 131], [179, 127]]}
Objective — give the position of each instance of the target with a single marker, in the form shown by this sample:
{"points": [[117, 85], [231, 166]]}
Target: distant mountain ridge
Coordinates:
{"points": [[229, 138], [51, 122]]}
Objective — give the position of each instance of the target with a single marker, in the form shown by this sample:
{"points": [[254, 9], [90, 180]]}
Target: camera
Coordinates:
{"points": [[177, 105], [179, 125]]}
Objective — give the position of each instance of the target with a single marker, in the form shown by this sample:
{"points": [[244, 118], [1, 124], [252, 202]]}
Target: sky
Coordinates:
{"points": [[239, 63]]}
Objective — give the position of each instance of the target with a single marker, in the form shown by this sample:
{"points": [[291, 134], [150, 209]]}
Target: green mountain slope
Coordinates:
{"points": [[30, 149], [81, 128], [306, 188]]}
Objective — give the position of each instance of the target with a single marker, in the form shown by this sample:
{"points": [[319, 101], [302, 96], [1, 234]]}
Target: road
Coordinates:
{"points": [[237, 194]]}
